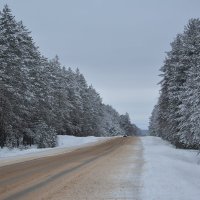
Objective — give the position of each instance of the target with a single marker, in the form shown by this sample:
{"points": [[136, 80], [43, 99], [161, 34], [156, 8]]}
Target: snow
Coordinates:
{"points": [[66, 143], [71, 141], [169, 173], [6, 152]]}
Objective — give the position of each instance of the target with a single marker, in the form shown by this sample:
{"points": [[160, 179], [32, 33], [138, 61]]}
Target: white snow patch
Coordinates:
{"points": [[71, 141], [6, 152], [169, 173]]}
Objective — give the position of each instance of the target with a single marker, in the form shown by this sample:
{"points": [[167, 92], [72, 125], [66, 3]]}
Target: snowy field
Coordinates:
{"points": [[65, 143], [169, 173]]}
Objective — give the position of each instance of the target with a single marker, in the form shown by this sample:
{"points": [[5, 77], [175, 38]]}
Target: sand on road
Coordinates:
{"points": [[108, 170]]}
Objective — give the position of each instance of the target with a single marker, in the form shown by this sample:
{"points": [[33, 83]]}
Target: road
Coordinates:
{"points": [[107, 170]]}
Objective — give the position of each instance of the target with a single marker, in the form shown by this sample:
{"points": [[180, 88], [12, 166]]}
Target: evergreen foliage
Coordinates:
{"points": [[176, 117], [39, 98]]}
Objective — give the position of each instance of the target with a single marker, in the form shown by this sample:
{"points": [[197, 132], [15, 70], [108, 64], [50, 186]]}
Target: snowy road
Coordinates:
{"points": [[108, 170], [132, 168]]}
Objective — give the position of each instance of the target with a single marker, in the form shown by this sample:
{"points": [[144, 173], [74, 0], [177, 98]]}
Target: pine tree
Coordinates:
{"points": [[126, 125], [189, 131], [39, 98], [45, 136], [92, 105], [12, 74], [176, 116], [154, 122]]}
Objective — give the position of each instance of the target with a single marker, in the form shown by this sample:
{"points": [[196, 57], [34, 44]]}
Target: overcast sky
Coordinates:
{"points": [[119, 45]]}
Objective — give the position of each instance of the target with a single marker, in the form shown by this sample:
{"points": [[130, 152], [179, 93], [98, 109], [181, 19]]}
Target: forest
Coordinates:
{"points": [[176, 117], [40, 98]]}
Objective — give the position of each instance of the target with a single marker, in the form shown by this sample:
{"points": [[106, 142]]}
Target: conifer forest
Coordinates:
{"points": [[176, 117], [40, 98]]}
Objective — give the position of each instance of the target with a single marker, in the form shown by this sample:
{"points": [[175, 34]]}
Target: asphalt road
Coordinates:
{"points": [[108, 170]]}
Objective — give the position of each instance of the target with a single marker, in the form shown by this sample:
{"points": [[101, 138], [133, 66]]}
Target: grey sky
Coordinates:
{"points": [[118, 45]]}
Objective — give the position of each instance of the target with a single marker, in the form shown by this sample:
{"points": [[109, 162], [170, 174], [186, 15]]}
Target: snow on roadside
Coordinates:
{"points": [[71, 141], [169, 173], [64, 141], [6, 152]]}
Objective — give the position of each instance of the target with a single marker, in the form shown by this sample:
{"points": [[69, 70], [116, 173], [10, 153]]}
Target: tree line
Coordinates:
{"points": [[39, 98], [176, 117]]}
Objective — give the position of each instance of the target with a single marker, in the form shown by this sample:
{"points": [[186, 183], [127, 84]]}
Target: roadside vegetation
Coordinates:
{"points": [[40, 98], [176, 117]]}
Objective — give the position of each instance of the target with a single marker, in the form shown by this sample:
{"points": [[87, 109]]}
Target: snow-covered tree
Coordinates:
{"points": [[44, 136], [40, 98], [177, 116], [190, 114]]}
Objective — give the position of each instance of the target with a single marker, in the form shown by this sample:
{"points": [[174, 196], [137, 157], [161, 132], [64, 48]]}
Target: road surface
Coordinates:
{"points": [[108, 170]]}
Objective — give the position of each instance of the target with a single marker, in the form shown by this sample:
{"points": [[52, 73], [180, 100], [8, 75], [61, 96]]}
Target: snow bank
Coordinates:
{"points": [[5, 152], [71, 141], [169, 173], [64, 141]]}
